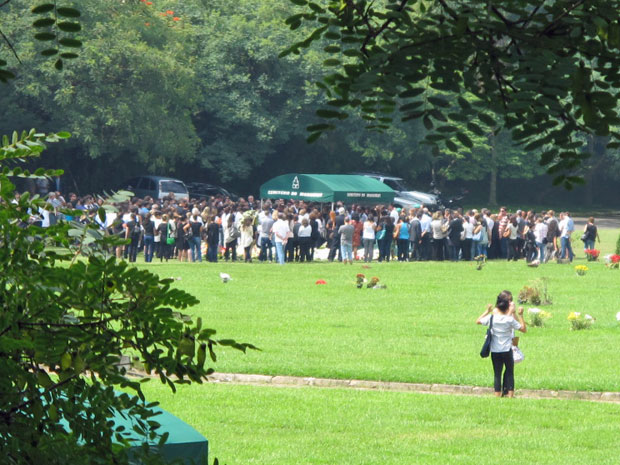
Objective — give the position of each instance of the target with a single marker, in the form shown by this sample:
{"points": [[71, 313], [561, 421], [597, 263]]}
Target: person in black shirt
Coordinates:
{"points": [[213, 238], [456, 228], [132, 232], [149, 236]]}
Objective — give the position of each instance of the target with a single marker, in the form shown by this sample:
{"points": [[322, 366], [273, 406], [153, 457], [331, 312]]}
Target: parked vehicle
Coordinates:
{"points": [[157, 187], [405, 196], [201, 190], [448, 202]]}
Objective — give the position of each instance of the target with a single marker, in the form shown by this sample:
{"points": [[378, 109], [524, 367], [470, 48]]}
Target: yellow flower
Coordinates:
{"points": [[574, 315]]}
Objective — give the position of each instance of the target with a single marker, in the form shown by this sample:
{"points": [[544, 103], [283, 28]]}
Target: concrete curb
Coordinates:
{"points": [[297, 381]]}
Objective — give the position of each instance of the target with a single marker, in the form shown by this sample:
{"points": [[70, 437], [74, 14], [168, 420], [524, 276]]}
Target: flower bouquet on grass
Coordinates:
{"points": [[480, 261], [374, 284], [581, 270], [613, 261], [592, 254], [579, 321], [538, 317], [360, 279]]}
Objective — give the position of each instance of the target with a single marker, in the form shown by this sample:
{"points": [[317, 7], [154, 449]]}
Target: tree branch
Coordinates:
{"points": [[8, 42], [553, 24]]}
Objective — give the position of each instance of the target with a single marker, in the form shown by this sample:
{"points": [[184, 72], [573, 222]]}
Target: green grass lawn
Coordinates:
{"points": [[420, 329], [267, 425]]}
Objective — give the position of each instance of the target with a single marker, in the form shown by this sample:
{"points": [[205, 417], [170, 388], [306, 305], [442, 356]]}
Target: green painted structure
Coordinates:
{"points": [[327, 188]]}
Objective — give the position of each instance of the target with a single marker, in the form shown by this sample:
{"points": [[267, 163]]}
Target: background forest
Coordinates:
{"points": [[195, 89]]}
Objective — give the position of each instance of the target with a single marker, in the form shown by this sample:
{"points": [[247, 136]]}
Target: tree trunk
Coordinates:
{"points": [[493, 177]]}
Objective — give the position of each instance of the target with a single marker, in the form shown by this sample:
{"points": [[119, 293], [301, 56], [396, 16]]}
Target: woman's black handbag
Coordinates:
{"points": [[486, 347]]}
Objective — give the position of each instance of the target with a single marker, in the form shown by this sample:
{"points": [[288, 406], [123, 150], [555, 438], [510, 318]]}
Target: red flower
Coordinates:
{"points": [[149, 3], [615, 258], [320, 281], [169, 12], [360, 275], [147, 24], [176, 18]]}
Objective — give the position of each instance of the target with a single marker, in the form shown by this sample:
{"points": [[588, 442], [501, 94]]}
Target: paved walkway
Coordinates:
{"points": [[294, 381]]}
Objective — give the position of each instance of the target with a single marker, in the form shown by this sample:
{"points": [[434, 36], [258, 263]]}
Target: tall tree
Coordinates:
{"points": [[546, 68]]}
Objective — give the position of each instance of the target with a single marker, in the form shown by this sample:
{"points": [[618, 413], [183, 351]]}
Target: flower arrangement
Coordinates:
{"points": [[360, 278], [321, 281], [579, 322], [538, 317], [373, 282], [592, 254], [581, 270], [535, 293], [613, 261], [480, 261]]}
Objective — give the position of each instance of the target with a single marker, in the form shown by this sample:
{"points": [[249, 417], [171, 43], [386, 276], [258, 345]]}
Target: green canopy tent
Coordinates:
{"points": [[327, 188], [184, 443]]}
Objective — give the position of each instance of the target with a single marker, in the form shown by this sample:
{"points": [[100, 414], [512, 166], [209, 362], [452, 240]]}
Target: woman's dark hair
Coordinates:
{"points": [[502, 303]]}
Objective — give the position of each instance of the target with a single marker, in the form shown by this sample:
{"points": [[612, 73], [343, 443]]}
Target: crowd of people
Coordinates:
{"points": [[286, 231]]}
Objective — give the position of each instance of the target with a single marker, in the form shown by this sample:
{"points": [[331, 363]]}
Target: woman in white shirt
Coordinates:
{"points": [[368, 238], [540, 232], [304, 240], [502, 330]]}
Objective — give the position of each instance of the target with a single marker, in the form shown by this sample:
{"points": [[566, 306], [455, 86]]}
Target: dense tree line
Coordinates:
{"points": [[196, 90]]}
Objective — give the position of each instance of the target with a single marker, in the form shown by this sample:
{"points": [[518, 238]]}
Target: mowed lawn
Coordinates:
{"points": [[268, 425], [420, 329]]}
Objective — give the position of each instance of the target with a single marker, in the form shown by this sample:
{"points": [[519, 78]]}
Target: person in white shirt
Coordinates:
{"points": [[567, 226], [540, 233], [304, 240], [502, 330], [281, 234], [368, 238]]}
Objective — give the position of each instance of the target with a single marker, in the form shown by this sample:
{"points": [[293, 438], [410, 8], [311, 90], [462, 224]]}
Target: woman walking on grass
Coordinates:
{"points": [[503, 326]]}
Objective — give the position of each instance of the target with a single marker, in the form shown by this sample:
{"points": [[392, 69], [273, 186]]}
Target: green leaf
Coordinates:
{"points": [[43, 36], [451, 146], [67, 26], [412, 92], [465, 140], [63, 134], [65, 361], [6, 75], [473, 127], [43, 8], [331, 62], [68, 12], [49, 52], [69, 56], [439, 101], [464, 104], [486, 119], [299, 2], [58, 64], [313, 137], [428, 124], [68, 42], [43, 22]]}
